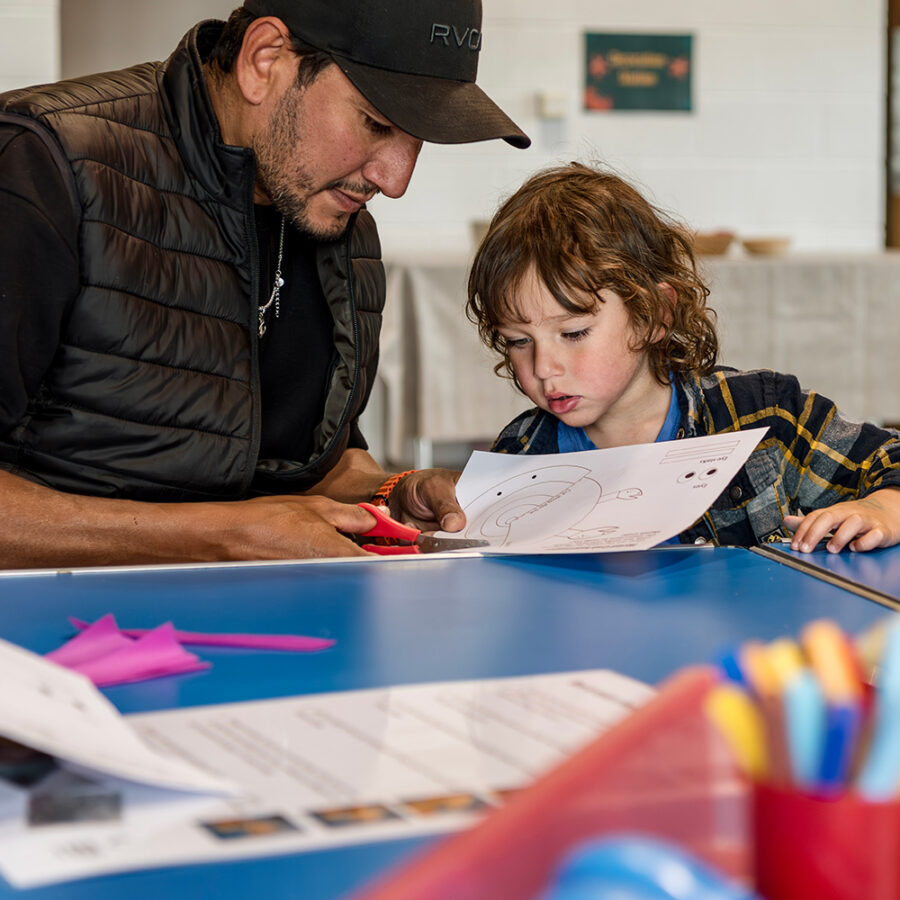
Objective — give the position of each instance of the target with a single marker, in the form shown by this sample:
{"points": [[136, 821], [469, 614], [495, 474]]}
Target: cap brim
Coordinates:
{"points": [[437, 110]]}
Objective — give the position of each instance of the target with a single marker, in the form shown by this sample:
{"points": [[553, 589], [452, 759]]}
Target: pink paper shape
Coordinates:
{"points": [[99, 639], [292, 642], [154, 654]]}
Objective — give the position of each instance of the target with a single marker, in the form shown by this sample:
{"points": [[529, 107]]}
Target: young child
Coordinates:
{"points": [[593, 299]]}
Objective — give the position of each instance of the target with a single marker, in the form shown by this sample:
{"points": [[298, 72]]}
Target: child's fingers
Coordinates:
{"points": [[852, 527], [870, 540], [851, 524], [810, 529]]}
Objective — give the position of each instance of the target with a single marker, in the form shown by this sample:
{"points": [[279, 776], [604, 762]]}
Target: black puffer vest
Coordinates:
{"points": [[154, 390]]}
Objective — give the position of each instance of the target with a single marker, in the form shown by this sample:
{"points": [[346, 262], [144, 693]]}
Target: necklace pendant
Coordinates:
{"points": [[275, 296]]}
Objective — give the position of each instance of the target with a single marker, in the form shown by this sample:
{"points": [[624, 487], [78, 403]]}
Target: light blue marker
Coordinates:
{"points": [[880, 775], [805, 719]]}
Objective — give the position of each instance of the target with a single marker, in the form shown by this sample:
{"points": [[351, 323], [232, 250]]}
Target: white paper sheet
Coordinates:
{"points": [[58, 711], [595, 501], [331, 769]]}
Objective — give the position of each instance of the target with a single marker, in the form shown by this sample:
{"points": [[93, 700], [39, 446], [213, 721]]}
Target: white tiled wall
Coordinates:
{"points": [[29, 42], [786, 135]]}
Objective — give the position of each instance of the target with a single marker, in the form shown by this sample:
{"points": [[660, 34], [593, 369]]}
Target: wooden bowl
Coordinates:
{"points": [[769, 246], [712, 243]]}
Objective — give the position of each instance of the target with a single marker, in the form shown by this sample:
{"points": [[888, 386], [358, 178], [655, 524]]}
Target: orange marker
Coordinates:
{"points": [[831, 657], [832, 660]]}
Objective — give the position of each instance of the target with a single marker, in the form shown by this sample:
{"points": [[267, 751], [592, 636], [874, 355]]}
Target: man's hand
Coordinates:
{"points": [[873, 521], [427, 499], [289, 527]]}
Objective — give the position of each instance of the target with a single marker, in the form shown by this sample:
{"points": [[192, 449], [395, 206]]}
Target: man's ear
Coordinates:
{"points": [[668, 311], [266, 46]]}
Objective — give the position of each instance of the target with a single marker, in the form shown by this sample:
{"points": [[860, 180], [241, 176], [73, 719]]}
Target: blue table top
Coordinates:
{"points": [[404, 621], [879, 570]]}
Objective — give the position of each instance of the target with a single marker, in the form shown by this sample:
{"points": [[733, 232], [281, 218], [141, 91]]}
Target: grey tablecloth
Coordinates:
{"points": [[830, 319]]}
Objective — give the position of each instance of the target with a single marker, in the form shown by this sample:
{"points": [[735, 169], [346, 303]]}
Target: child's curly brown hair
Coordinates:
{"points": [[583, 230]]}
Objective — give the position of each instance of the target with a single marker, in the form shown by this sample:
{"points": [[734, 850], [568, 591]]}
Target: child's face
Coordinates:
{"points": [[580, 367]]}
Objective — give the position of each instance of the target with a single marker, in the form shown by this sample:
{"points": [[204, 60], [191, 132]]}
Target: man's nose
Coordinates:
{"points": [[392, 165]]}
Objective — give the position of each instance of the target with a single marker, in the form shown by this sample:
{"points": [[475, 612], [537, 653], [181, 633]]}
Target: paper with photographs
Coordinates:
{"points": [[314, 771]]}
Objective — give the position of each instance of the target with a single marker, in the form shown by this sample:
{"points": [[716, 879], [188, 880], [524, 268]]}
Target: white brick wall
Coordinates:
{"points": [[29, 42], [786, 136]]}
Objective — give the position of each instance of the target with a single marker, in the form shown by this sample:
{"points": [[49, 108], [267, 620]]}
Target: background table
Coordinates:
{"points": [[829, 319], [402, 621]]}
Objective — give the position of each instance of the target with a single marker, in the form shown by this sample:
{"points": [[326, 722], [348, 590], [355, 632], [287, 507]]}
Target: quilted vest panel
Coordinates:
{"points": [[150, 392], [154, 390]]}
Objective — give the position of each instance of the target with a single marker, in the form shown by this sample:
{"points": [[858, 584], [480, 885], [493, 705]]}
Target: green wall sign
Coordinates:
{"points": [[637, 71]]}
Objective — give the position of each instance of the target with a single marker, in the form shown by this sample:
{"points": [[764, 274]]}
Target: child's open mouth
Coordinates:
{"points": [[562, 403]]}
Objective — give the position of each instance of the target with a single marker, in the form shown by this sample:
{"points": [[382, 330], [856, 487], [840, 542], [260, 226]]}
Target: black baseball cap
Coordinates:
{"points": [[415, 61]]}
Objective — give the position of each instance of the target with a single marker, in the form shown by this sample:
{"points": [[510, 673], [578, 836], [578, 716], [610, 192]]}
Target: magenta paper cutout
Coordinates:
{"points": [[96, 640], [291, 642], [154, 654], [109, 655]]}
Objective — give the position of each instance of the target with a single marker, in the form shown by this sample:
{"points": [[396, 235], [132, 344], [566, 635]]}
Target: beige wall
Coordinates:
{"points": [[29, 42], [99, 35]]}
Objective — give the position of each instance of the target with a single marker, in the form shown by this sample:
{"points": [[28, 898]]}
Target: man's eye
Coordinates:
{"points": [[377, 127]]}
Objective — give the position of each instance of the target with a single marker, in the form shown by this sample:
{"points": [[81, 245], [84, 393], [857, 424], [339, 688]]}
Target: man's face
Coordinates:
{"points": [[325, 151]]}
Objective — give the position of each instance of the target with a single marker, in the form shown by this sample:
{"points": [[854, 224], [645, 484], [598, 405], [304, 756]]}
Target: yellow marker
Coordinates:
{"points": [[831, 658], [740, 722], [785, 660]]}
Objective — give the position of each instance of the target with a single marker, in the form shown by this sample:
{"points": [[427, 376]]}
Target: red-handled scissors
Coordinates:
{"points": [[404, 539]]}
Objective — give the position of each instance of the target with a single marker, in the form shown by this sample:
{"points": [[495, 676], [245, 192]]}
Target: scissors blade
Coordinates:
{"points": [[429, 544]]}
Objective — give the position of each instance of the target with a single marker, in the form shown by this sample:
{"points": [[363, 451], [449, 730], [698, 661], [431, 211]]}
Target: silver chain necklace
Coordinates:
{"points": [[275, 296]]}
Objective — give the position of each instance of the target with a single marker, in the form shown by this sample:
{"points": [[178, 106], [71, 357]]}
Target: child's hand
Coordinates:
{"points": [[863, 524]]}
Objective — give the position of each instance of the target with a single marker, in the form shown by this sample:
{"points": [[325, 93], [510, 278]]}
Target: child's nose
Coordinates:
{"points": [[546, 362]]}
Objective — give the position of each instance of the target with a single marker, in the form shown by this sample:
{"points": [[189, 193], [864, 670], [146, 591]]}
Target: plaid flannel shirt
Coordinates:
{"points": [[811, 457]]}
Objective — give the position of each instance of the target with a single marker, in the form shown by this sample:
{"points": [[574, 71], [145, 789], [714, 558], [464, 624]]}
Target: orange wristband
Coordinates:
{"points": [[380, 497]]}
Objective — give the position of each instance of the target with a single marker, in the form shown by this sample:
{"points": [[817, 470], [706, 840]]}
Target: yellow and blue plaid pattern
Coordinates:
{"points": [[811, 457]]}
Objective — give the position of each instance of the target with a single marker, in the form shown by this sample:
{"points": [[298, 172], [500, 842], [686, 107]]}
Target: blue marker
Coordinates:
{"points": [[804, 712], [880, 775], [841, 727], [730, 664]]}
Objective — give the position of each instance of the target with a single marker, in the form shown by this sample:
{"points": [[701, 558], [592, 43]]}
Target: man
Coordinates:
{"points": [[191, 287]]}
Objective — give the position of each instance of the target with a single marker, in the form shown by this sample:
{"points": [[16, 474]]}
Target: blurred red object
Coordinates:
{"points": [[663, 771]]}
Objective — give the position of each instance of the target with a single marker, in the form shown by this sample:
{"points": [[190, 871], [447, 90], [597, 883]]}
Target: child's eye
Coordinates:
{"points": [[376, 127], [576, 335], [514, 343]]}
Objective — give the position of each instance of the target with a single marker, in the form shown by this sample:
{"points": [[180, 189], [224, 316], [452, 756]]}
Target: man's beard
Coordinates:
{"points": [[285, 180]]}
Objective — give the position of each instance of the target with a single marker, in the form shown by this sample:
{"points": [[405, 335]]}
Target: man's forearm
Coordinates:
{"points": [[49, 528], [44, 527]]}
